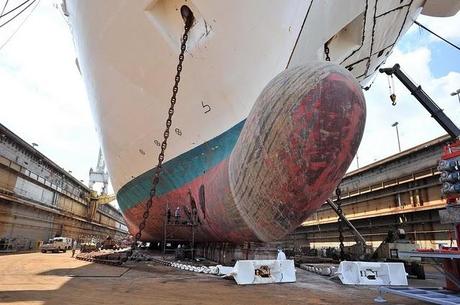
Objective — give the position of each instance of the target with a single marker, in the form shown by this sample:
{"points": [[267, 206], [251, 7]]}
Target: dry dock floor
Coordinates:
{"points": [[36, 278]]}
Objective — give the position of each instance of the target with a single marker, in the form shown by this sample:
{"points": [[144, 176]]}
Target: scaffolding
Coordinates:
{"points": [[176, 224]]}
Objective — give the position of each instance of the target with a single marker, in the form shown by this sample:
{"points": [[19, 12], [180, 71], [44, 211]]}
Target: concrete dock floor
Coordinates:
{"points": [[37, 278]]}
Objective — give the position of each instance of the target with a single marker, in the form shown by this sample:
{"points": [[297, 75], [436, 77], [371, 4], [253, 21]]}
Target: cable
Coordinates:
{"points": [[20, 25], [443, 39], [14, 17], [4, 7], [10, 11]]}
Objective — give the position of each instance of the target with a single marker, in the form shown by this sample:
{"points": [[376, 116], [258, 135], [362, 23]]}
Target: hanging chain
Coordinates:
{"points": [[391, 87], [326, 51], [187, 15], [340, 223]]}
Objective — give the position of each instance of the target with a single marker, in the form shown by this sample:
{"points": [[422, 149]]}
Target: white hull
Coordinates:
{"points": [[127, 53]]}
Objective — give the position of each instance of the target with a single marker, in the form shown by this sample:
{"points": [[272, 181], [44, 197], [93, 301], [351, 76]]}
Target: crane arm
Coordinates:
{"points": [[425, 100], [357, 236]]}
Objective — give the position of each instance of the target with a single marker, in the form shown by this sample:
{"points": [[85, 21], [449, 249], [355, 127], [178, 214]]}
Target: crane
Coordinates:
{"points": [[450, 160], [421, 96], [449, 165], [99, 174]]}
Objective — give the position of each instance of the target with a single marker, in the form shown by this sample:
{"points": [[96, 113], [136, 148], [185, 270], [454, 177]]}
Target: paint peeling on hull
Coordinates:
{"points": [[294, 148]]}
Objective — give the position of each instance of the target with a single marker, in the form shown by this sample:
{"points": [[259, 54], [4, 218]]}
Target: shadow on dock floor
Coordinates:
{"points": [[38, 278]]}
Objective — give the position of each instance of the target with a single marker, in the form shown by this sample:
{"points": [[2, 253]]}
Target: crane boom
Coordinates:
{"points": [[357, 236], [425, 100]]}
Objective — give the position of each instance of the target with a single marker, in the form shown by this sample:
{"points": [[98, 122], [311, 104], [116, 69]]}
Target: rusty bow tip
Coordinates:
{"points": [[187, 15]]}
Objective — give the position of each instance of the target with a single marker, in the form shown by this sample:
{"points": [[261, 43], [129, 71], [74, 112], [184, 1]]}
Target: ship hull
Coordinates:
{"points": [[127, 54], [205, 166], [268, 173]]}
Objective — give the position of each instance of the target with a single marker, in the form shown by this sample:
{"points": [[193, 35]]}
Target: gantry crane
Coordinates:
{"points": [[99, 174]]}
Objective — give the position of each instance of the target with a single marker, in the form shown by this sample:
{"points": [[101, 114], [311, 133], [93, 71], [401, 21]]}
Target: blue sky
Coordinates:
{"points": [[444, 58], [44, 100]]}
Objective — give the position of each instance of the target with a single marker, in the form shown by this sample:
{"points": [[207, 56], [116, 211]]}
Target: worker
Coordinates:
{"points": [[323, 252], [281, 255], [74, 247], [168, 214], [177, 215]]}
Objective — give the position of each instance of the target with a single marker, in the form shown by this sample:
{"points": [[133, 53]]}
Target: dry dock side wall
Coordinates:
{"points": [[402, 191], [39, 200]]}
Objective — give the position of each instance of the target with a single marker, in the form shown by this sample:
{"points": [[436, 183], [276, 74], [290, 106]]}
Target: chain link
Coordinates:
{"points": [[188, 20], [340, 223], [326, 51]]}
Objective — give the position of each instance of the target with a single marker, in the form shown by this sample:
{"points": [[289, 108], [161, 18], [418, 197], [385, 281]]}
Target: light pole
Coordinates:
{"points": [[456, 93], [395, 124]]}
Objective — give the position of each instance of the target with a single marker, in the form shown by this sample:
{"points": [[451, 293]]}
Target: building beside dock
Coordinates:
{"points": [[40, 200]]}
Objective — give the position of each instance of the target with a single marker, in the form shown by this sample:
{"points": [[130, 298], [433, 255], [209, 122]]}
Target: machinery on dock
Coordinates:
{"points": [[88, 247], [390, 248], [110, 244]]}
